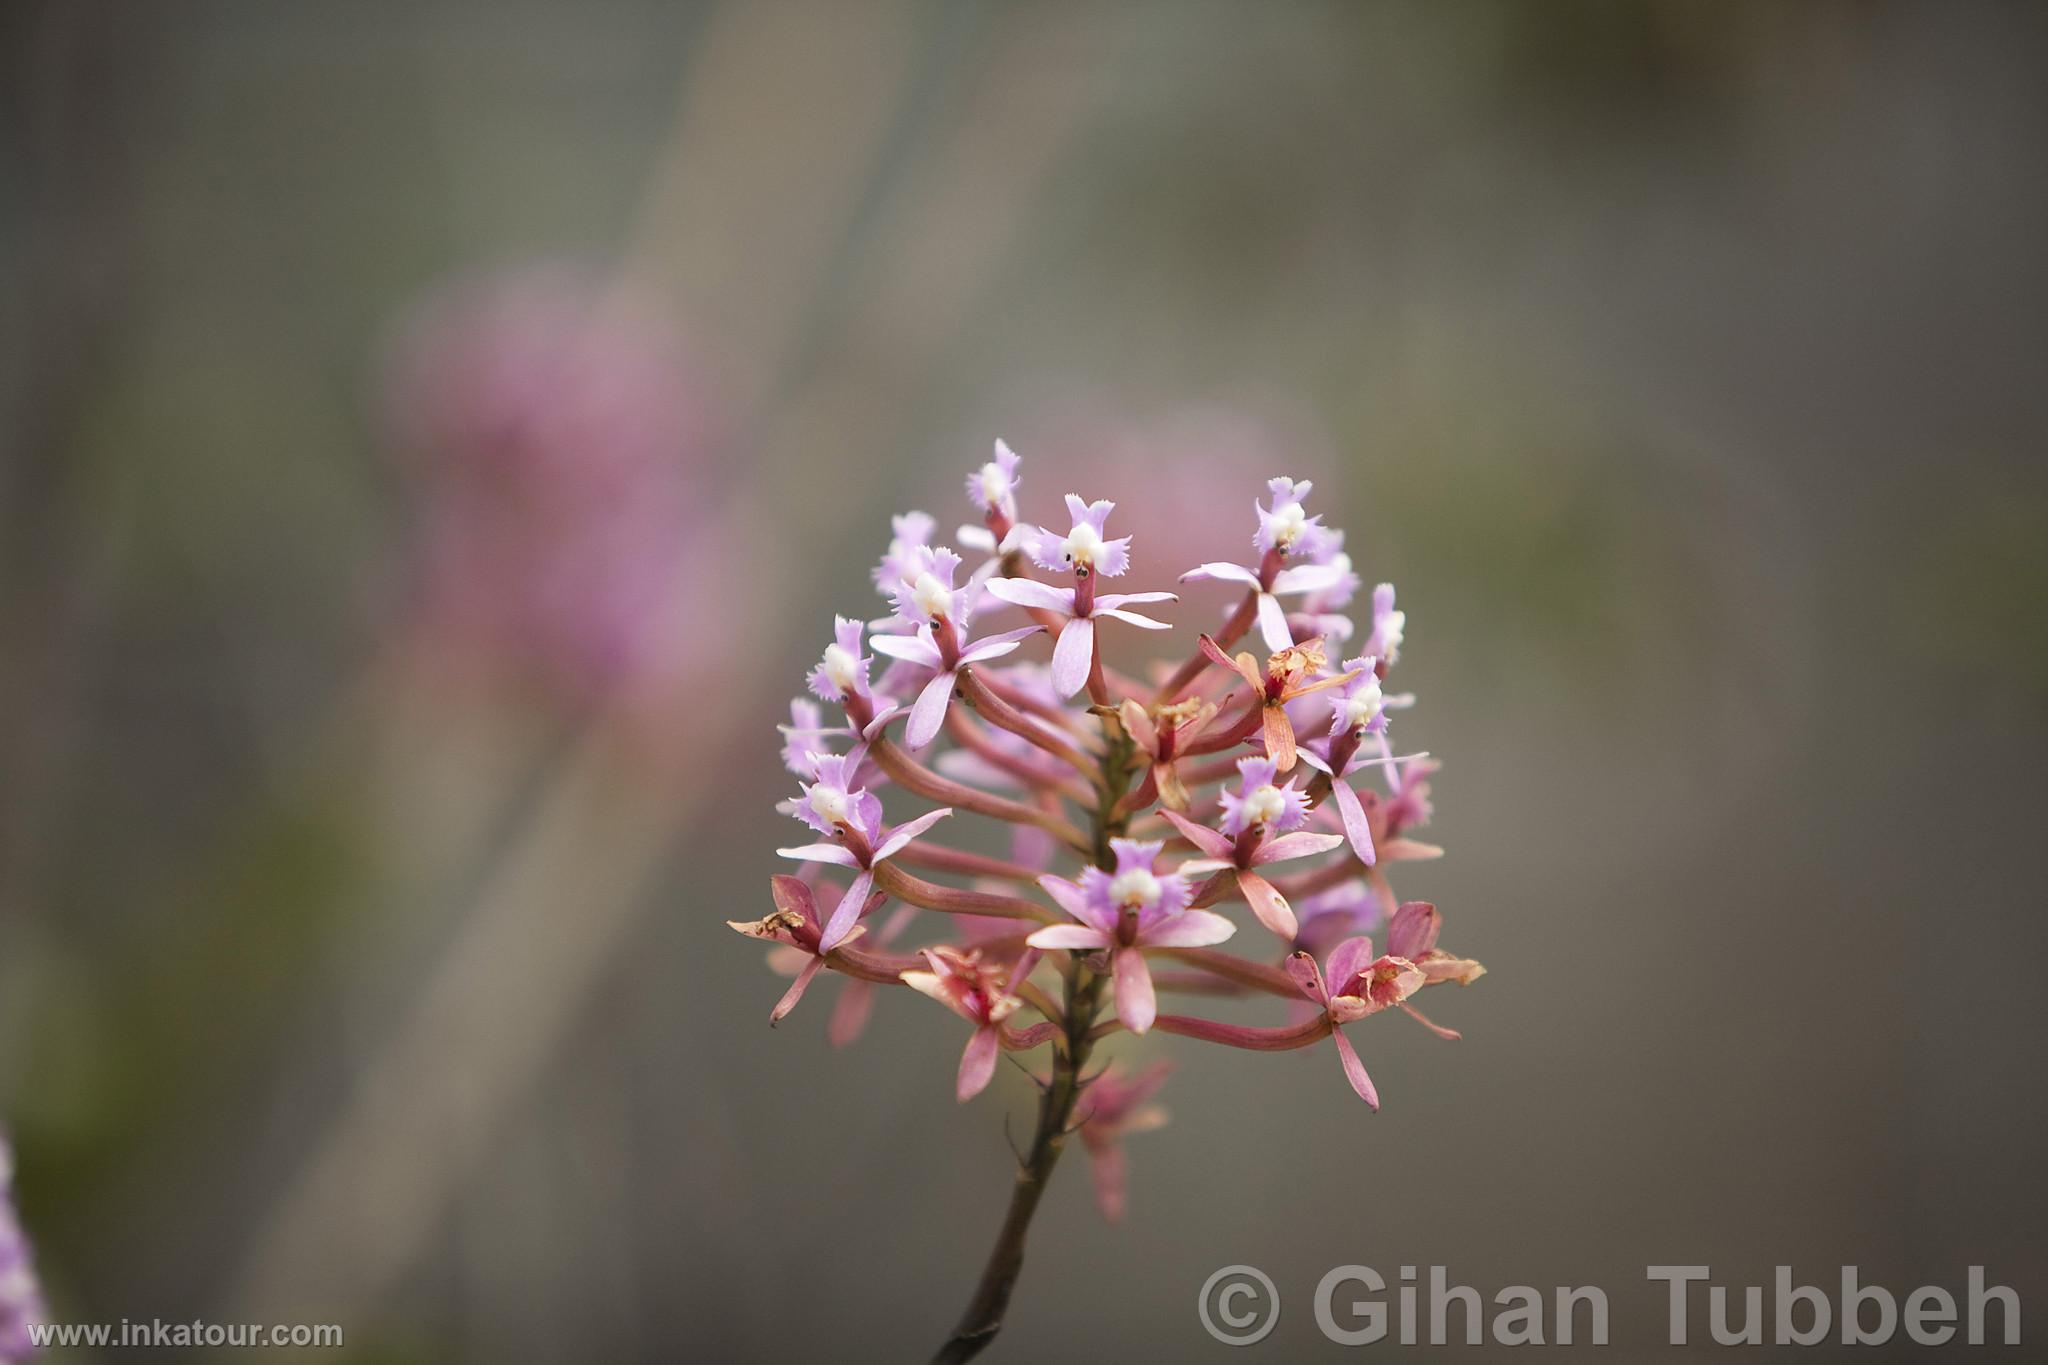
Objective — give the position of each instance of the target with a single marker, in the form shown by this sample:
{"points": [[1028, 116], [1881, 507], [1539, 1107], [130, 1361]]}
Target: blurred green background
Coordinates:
{"points": [[362, 954]]}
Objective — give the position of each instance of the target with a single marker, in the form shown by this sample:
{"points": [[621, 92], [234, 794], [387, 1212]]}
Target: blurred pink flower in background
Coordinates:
{"points": [[556, 446]]}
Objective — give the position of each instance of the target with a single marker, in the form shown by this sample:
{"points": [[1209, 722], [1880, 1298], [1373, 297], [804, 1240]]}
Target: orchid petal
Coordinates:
{"points": [[1202, 837], [1243, 665], [900, 837], [1298, 845], [995, 646], [1356, 827], [977, 1063], [792, 895], [1225, 573], [1269, 905], [1414, 930], [1107, 1168], [1078, 938], [1136, 1004], [1072, 656], [1354, 1070], [1308, 578], [1348, 959], [1273, 623], [1066, 895], [796, 991], [928, 712], [820, 853], [847, 914], [1302, 967], [850, 1012], [1109, 601], [1138, 721], [915, 649], [1029, 592], [1190, 929], [1133, 618], [1279, 738]]}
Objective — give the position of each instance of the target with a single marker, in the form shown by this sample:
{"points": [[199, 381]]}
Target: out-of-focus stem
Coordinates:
{"points": [[911, 775], [1244, 1036], [984, 1316], [1245, 972], [973, 736]]}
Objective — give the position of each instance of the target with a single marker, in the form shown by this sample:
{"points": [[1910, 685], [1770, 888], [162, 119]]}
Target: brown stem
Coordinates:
{"points": [[1001, 714], [984, 1316], [954, 900]]}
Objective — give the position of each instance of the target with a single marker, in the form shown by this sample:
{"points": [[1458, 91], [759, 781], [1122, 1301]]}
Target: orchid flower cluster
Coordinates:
{"points": [[1251, 797]]}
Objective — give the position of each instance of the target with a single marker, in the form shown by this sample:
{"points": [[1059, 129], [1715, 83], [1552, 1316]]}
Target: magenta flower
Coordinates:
{"points": [[1118, 1105], [1358, 985], [982, 995], [1259, 824], [993, 488], [21, 1298], [1412, 935], [1126, 912], [937, 646], [1073, 654], [1356, 710], [1284, 530], [795, 924], [851, 817], [1084, 549]]}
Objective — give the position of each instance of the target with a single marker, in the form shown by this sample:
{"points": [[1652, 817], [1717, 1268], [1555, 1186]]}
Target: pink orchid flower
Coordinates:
{"points": [[1125, 912], [982, 995], [1356, 985], [795, 925], [1261, 824], [1118, 1104], [1412, 935], [1284, 529], [1288, 674], [1086, 552], [852, 817]]}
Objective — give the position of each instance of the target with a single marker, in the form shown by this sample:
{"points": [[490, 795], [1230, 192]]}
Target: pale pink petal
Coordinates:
{"points": [[1414, 929], [881, 721], [1111, 601], [796, 990], [996, 646], [1074, 937], [1132, 618], [1354, 1070], [1269, 905], [1135, 1003], [929, 711], [1449, 1035], [1347, 959], [1190, 929], [1227, 573], [1029, 592], [1301, 844], [1106, 1161], [1065, 895], [977, 1063], [1356, 827], [1302, 967], [900, 837], [850, 1012], [792, 895], [1273, 623], [1202, 837], [1072, 655], [820, 853], [915, 649], [847, 914], [1138, 721], [1307, 578]]}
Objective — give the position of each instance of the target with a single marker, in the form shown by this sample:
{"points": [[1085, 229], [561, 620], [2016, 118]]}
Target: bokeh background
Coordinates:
{"points": [[436, 436]]}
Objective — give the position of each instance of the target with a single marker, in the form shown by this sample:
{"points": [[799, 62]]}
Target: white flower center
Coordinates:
{"points": [[841, 667], [1135, 889], [1265, 805], [931, 595], [994, 487], [1289, 521], [831, 805], [1082, 546], [1362, 706]]}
